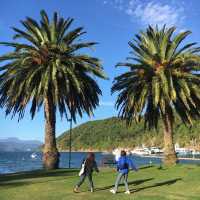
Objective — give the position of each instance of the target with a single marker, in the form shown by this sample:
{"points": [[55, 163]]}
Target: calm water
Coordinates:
{"points": [[21, 161]]}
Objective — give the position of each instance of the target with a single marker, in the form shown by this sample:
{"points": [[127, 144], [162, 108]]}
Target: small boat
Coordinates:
{"points": [[33, 155], [140, 151], [194, 152], [183, 151], [156, 150]]}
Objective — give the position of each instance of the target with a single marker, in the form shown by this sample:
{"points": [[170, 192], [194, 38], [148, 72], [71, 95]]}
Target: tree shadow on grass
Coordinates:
{"points": [[168, 182], [136, 182], [146, 167], [10, 178], [20, 183]]}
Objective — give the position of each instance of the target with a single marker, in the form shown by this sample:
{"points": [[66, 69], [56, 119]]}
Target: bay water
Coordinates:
{"points": [[11, 162]]}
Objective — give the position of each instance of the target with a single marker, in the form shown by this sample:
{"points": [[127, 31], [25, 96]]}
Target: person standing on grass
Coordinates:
{"points": [[88, 165], [123, 165]]}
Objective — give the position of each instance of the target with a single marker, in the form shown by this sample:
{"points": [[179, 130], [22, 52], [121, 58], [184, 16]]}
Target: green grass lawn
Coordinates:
{"points": [[181, 182]]}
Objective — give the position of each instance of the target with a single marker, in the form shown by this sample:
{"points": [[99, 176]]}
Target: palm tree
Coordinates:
{"points": [[162, 82], [47, 67]]}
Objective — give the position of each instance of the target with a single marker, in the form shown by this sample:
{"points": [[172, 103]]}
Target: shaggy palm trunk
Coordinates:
{"points": [[170, 157], [50, 152]]}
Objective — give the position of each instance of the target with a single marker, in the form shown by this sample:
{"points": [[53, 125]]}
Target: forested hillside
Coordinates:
{"points": [[112, 132]]}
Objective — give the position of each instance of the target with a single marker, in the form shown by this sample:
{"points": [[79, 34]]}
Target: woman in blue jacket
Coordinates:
{"points": [[123, 165]]}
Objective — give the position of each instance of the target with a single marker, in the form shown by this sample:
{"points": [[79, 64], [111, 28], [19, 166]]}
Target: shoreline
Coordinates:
{"points": [[159, 156], [110, 152], [142, 156], [85, 151]]}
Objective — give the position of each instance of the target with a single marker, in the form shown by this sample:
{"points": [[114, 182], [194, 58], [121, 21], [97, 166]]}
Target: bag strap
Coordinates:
{"points": [[83, 163]]}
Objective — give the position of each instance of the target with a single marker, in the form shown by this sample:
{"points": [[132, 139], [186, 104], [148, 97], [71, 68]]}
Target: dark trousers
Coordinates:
{"points": [[82, 179]]}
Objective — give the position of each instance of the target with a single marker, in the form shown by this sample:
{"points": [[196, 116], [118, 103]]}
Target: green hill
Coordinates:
{"points": [[109, 133]]}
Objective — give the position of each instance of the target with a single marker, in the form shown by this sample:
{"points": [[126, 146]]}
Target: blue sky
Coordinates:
{"points": [[112, 23]]}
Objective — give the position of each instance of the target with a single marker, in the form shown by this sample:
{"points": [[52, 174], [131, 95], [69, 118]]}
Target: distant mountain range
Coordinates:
{"points": [[15, 144]]}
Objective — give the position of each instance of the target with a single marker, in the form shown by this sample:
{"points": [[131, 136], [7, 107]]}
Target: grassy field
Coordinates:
{"points": [[181, 182]]}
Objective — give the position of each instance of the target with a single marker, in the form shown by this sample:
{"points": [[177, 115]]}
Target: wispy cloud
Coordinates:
{"points": [[156, 13], [105, 2], [151, 12]]}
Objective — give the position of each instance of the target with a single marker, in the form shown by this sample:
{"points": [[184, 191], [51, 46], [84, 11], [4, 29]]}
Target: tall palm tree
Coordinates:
{"points": [[47, 67], [162, 82]]}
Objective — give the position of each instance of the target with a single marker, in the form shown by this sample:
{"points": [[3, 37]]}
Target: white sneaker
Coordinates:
{"points": [[76, 189], [127, 192], [113, 191]]}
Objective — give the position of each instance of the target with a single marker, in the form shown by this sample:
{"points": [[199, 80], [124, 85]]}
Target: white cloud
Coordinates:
{"points": [[156, 13], [152, 12]]}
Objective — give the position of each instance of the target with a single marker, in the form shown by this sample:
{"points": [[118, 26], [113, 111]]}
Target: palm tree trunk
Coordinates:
{"points": [[170, 157], [50, 152]]}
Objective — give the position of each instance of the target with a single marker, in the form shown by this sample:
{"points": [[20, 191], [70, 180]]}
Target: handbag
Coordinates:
{"points": [[82, 169]]}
